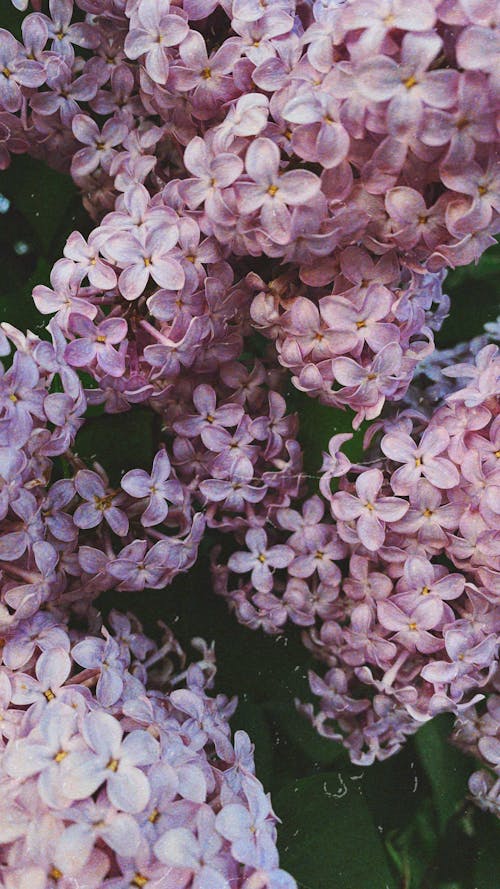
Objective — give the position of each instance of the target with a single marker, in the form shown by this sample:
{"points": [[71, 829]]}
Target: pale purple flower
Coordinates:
{"points": [[66, 33], [411, 629], [420, 460], [85, 254], [368, 509], [45, 754], [91, 821], [201, 854], [65, 93], [207, 76], [40, 631], [51, 671], [113, 760], [101, 145], [408, 84], [260, 559], [95, 343], [16, 72], [208, 414], [159, 489], [62, 298], [466, 652], [149, 257], [102, 655], [249, 830], [155, 30], [210, 171], [270, 192], [100, 503]]}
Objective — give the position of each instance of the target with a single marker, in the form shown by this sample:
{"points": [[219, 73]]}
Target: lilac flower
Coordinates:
{"points": [[99, 504], [141, 260], [65, 93], [465, 652], [92, 821], [16, 72], [86, 256], [236, 491], [100, 148], [64, 33], [52, 669], [272, 193], [96, 343], [411, 629], [211, 172], [158, 487], [208, 414], [110, 760], [62, 298], [156, 30], [180, 848], [103, 655], [44, 756], [260, 559], [409, 84], [208, 77], [368, 509], [248, 829], [420, 460], [137, 567], [41, 631]]}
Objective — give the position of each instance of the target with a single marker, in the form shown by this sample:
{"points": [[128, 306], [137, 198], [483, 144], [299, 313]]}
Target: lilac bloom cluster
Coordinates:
{"points": [[65, 531], [109, 781], [411, 628], [332, 138], [477, 732], [308, 177]]}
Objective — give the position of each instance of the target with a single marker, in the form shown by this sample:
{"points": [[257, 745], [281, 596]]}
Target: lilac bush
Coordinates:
{"points": [[276, 193]]}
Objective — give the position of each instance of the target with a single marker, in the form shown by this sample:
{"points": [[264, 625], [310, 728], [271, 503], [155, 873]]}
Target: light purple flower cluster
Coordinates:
{"points": [[109, 782], [333, 138], [308, 175], [411, 628], [65, 532]]}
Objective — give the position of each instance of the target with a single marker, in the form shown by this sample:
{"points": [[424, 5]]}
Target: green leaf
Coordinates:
{"points": [[414, 848], [487, 866], [300, 733], [395, 788], [448, 770], [475, 296], [328, 839]]}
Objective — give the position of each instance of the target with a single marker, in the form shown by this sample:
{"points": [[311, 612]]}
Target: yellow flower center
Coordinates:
{"points": [[60, 756]]}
